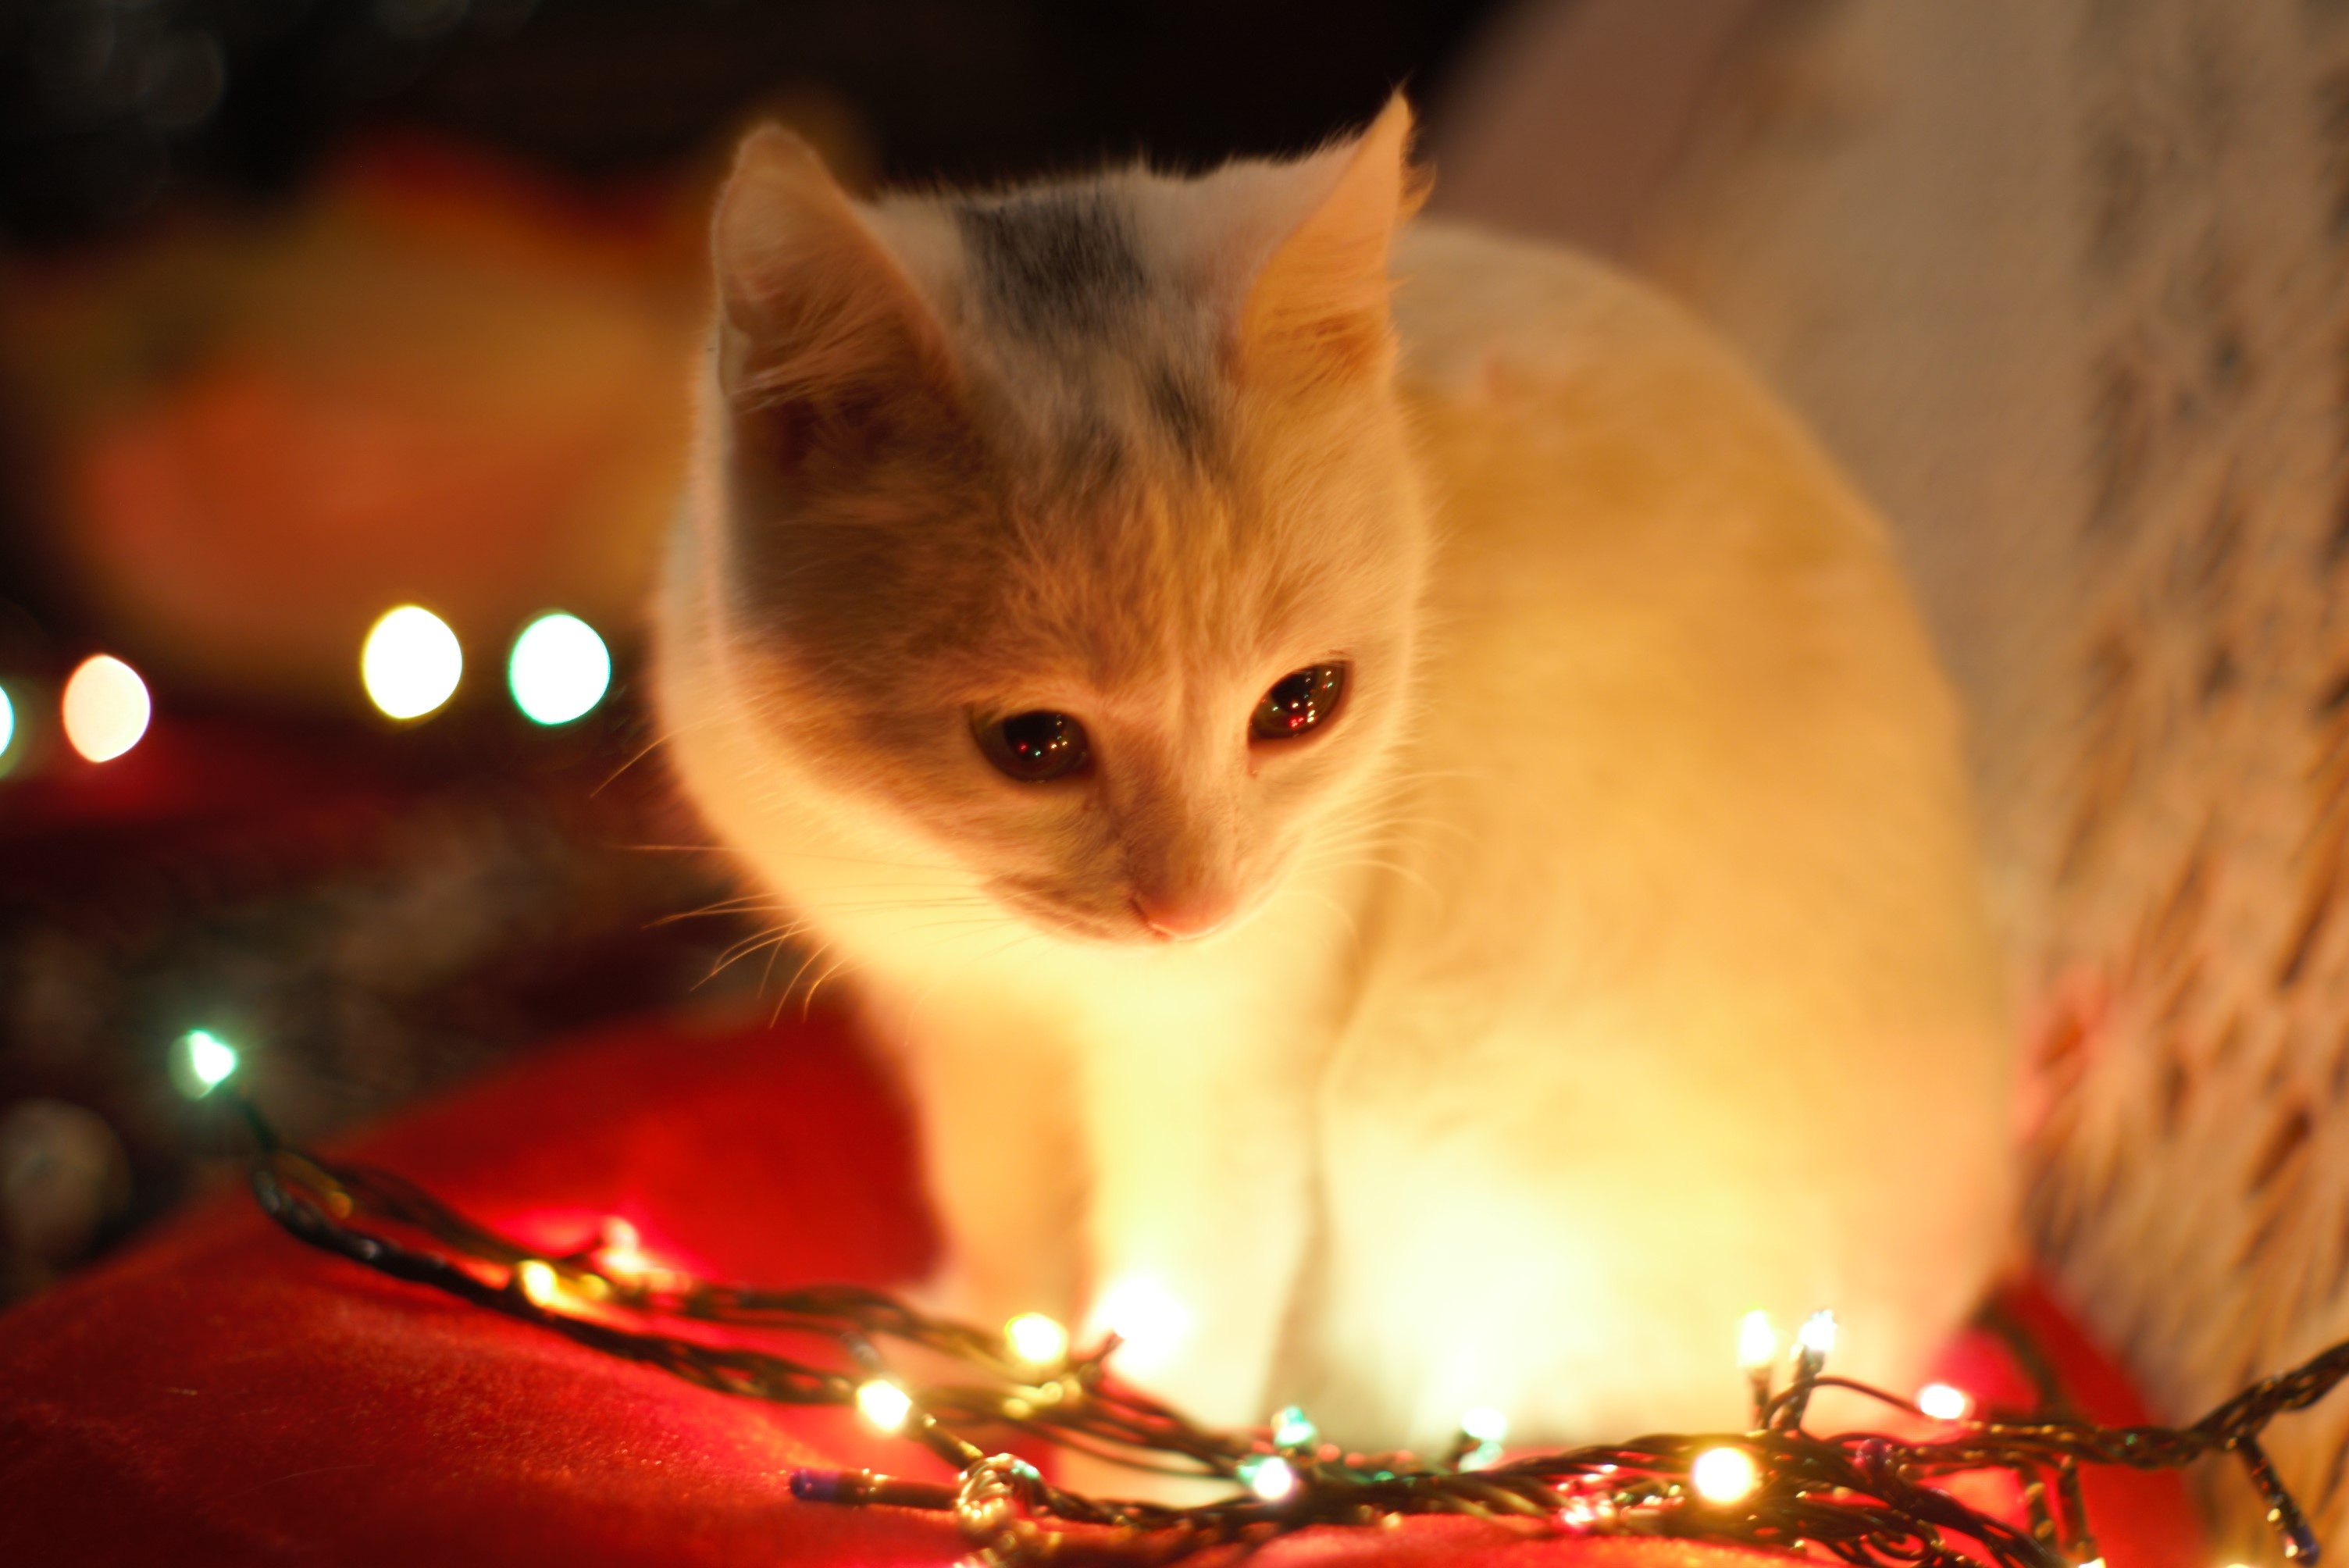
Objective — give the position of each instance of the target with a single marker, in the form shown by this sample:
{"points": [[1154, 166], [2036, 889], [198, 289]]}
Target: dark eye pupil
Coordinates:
{"points": [[1298, 701], [1035, 746]]}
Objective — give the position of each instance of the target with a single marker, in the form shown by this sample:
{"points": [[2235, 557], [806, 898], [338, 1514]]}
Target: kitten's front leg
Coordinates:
{"points": [[991, 1077], [1201, 1146]]}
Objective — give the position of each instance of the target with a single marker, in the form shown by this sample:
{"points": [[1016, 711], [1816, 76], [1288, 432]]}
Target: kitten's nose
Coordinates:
{"points": [[1185, 916]]}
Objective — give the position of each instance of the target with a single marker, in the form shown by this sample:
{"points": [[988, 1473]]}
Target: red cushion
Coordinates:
{"points": [[224, 1393]]}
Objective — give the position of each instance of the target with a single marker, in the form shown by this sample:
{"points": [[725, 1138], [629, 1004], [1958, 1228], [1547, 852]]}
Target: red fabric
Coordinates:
{"points": [[224, 1394]]}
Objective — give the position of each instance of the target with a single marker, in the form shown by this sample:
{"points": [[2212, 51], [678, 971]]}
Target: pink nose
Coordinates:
{"points": [[1180, 917]]}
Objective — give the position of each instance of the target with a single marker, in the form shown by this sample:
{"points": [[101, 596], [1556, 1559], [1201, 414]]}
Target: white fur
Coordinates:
{"points": [[1639, 978]]}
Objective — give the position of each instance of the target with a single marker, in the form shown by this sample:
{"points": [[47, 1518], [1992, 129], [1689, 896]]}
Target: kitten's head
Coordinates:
{"points": [[1073, 528]]}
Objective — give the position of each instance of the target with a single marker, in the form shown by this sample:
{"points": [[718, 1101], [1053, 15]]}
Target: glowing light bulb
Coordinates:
{"points": [[105, 708], [1036, 1339], [539, 1281], [1818, 1333], [1268, 1475], [884, 1404], [1485, 1424], [201, 1062], [559, 669], [1291, 1429], [1943, 1402], [1724, 1475], [7, 721], [1757, 1341], [1150, 1324], [410, 663]]}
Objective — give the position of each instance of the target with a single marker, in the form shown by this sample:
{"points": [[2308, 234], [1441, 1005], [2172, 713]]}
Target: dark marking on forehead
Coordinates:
{"points": [[1180, 405], [1054, 263]]}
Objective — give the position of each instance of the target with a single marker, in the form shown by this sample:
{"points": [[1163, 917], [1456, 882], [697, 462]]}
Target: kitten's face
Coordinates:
{"points": [[1074, 566]]}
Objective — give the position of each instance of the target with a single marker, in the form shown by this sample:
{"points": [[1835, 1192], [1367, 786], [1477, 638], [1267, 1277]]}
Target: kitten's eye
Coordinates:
{"points": [[1299, 701], [1035, 747]]}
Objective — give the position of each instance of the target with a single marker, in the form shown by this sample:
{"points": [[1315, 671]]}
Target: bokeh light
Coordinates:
{"points": [[106, 708], [1268, 1475], [559, 669], [1036, 1339], [411, 662], [1142, 1312], [1943, 1402], [8, 725], [1724, 1475], [1484, 1423], [884, 1404], [201, 1062]]}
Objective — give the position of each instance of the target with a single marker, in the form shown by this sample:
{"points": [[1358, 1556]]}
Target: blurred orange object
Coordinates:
{"points": [[442, 380]]}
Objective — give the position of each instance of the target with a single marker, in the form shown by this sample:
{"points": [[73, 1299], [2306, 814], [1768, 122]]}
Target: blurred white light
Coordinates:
{"points": [[1268, 1475], [1818, 1333], [411, 662], [1724, 1475], [106, 708], [884, 1404], [7, 721], [1485, 1424], [1150, 1324], [539, 1281], [559, 669], [1036, 1339], [201, 1062], [1943, 1402], [1757, 1341]]}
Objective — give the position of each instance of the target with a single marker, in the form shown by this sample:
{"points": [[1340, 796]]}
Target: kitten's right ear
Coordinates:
{"points": [[816, 311]]}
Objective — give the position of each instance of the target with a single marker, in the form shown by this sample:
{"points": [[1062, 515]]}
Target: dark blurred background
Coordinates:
{"points": [[309, 308]]}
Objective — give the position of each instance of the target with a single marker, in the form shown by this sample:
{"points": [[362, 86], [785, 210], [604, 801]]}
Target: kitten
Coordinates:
{"points": [[1411, 852]]}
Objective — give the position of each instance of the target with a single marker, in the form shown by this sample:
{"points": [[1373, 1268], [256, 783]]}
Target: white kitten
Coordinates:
{"points": [[1405, 882]]}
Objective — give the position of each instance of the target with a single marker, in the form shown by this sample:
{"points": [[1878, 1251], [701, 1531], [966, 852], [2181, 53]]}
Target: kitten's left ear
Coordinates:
{"points": [[1317, 312]]}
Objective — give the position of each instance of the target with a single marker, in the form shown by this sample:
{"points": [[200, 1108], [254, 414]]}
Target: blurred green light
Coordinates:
{"points": [[559, 669], [201, 1062]]}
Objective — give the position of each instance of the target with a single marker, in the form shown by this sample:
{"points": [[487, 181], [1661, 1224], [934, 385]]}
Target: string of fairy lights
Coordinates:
{"points": [[1860, 1498], [558, 669]]}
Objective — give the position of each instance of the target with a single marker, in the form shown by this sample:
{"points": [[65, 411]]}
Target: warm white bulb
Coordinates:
{"points": [[201, 1062], [1485, 1424], [884, 1404], [1037, 1339], [1724, 1475], [1943, 1402], [1757, 1341], [559, 669], [1150, 1324], [1269, 1476], [105, 707], [1818, 1333], [410, 663], [539, 1281]]}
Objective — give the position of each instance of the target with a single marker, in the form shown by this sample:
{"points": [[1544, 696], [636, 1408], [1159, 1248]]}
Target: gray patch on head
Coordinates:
{"points": [[1054, 263], [1180, 405]]}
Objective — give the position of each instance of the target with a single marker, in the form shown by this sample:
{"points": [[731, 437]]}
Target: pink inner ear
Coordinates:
{"points": [[819, 300], [1318, 310]]}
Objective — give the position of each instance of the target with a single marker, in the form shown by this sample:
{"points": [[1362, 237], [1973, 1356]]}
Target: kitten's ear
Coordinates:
{"points": [[1317, 311], [818, 318]]}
